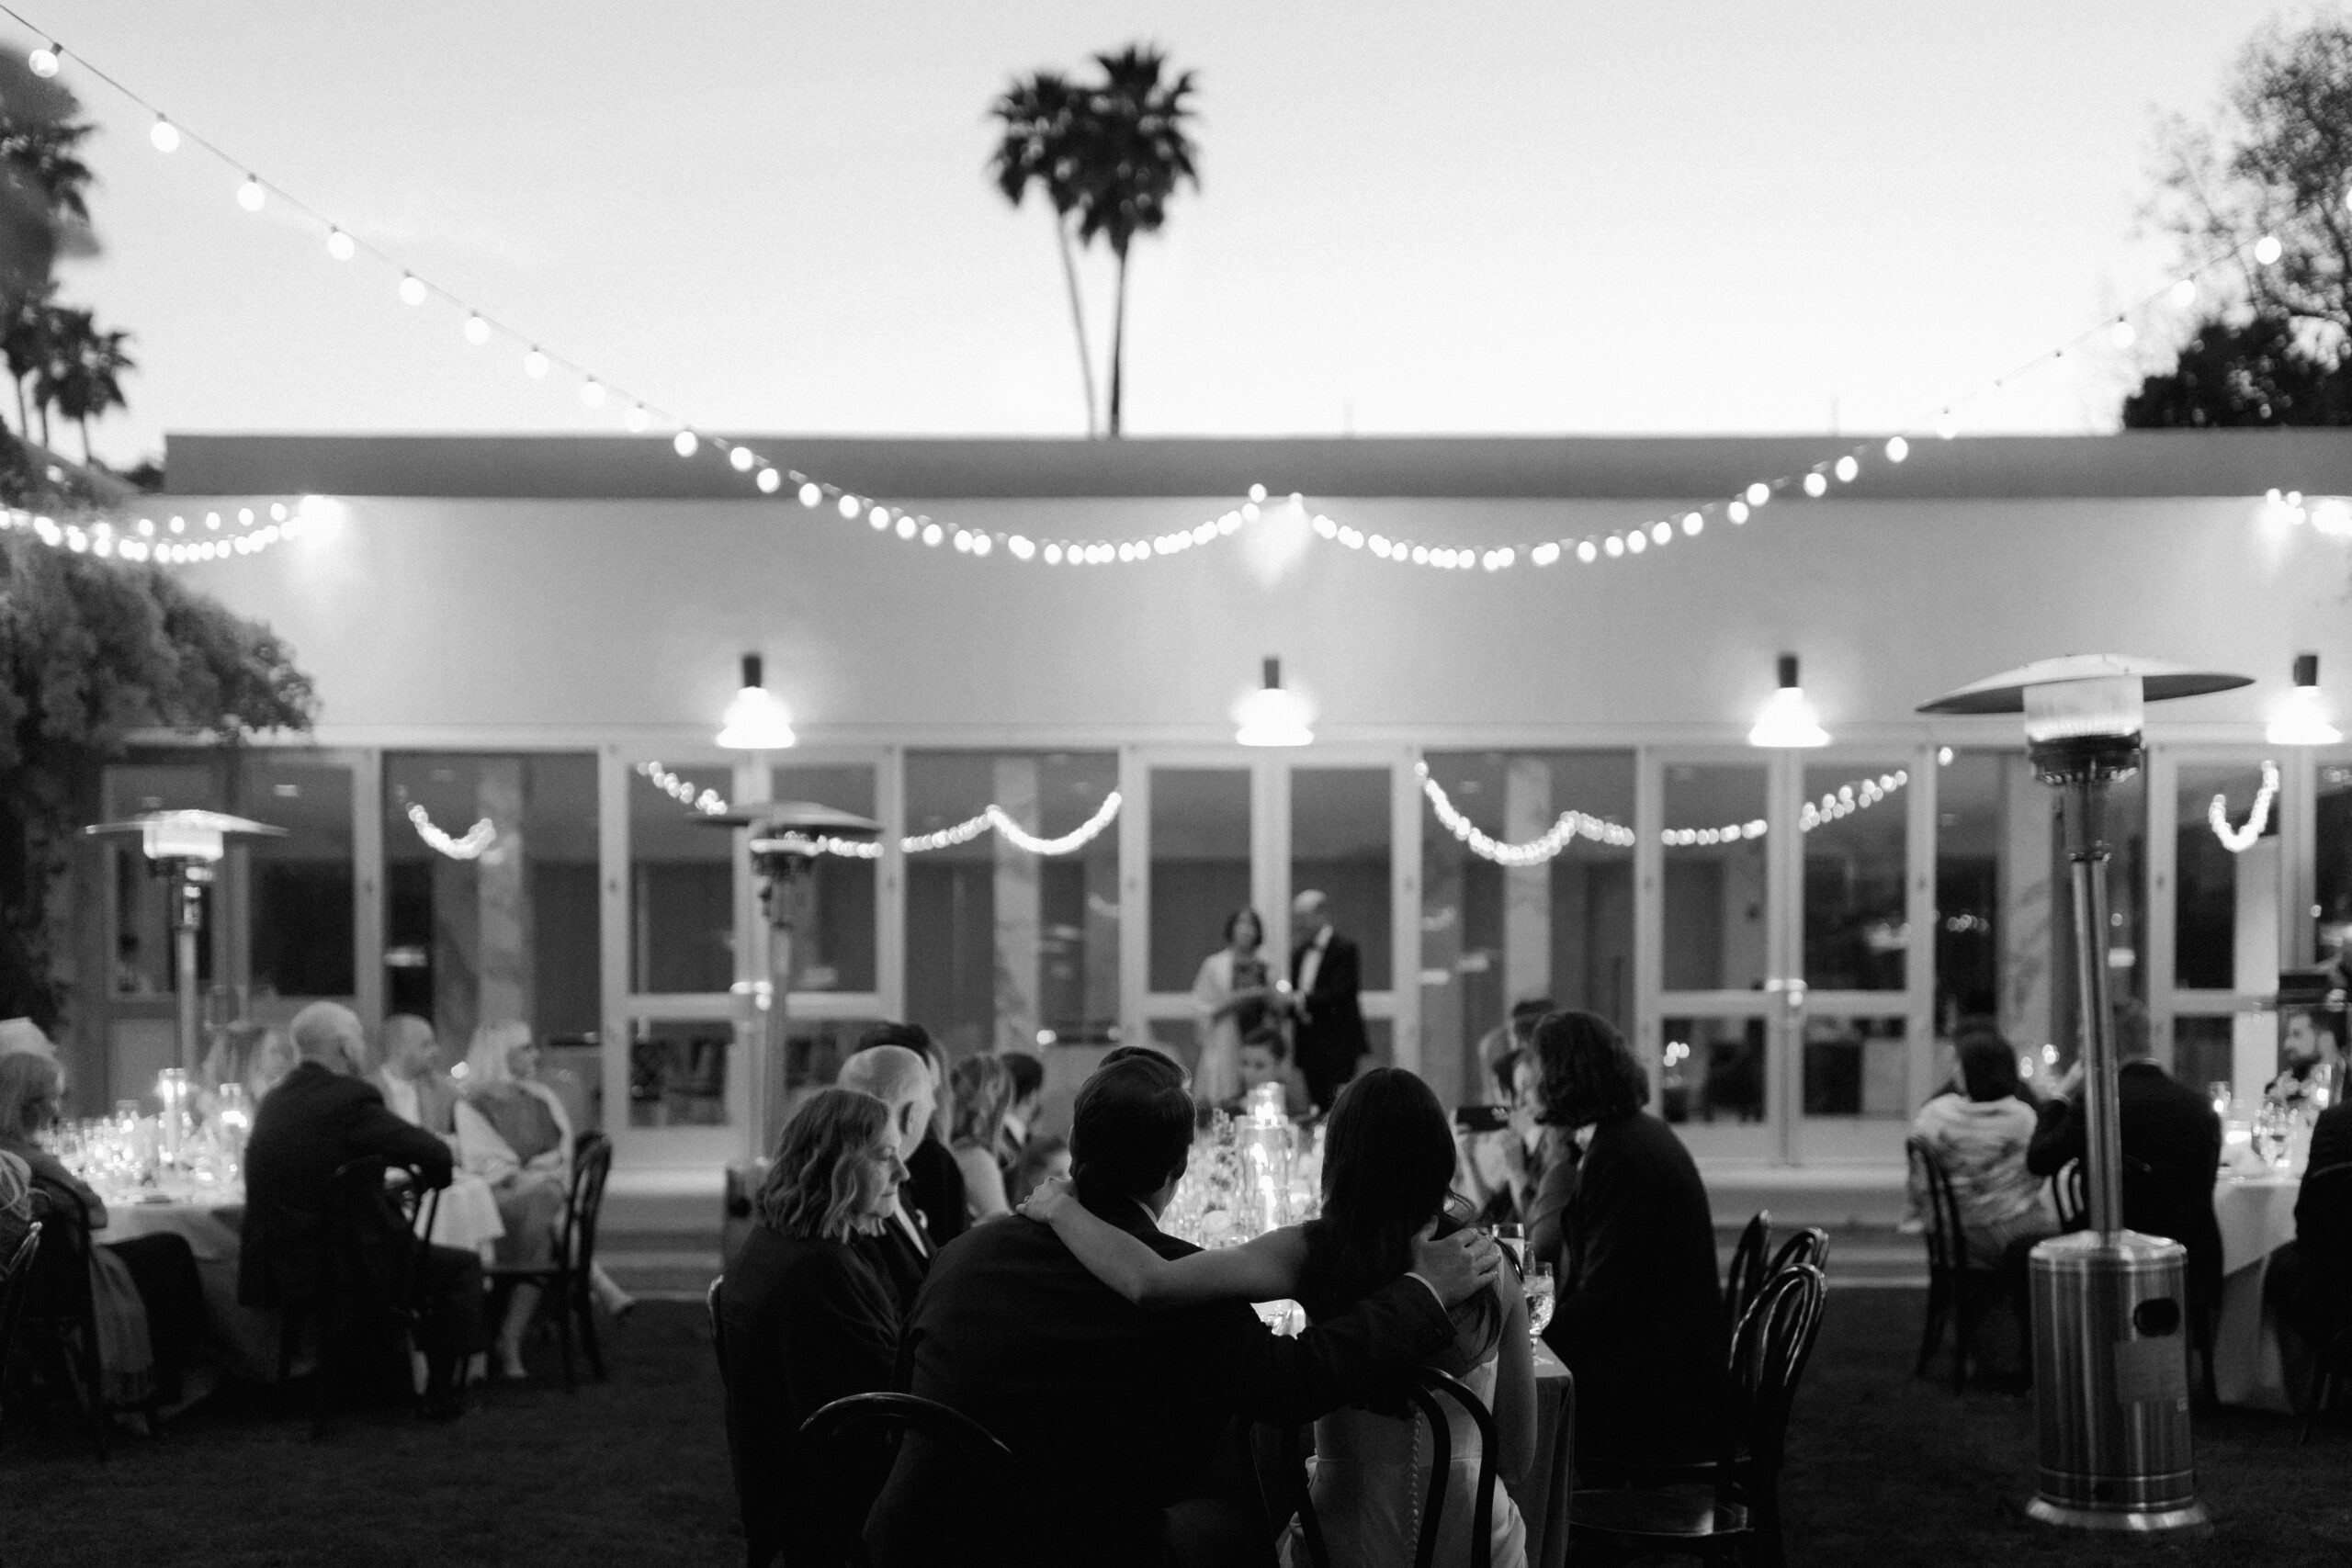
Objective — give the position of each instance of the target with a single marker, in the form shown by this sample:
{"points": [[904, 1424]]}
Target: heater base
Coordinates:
{"points": [[2142, 1521]]}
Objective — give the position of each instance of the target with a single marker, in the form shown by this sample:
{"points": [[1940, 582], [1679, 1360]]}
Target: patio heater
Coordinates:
{"points": [[183, 847], [785, 841], [2110, 1368]]}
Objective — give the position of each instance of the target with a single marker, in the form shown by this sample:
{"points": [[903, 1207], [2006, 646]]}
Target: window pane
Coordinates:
{"points": [[2332, 871], [1493, 936], [836, 952], [677, 1069], [1713, 1070], [1200, 869], [2224, 898], [681, 889], [301, 886], [1008, 948], [1715, 897], [1856, 1068], [2204, 1051], [1853, 822], [490, 894], [1339, 846]]}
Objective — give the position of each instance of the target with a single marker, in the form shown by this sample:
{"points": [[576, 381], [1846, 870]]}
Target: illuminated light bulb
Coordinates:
{"points": [[278, 511], [849, 506], [2301, 717], [476, 331], [1273, 715], [592, 393], [1587, 551], [756, 718], [1661, 533], [1947, 425], [1787, 719], [811, 493], [2268, 249], [906, 529], [1898, 449], [637, 418], [411, 289], [1257, 495], [1614, 544], [739, 458], [1420, 555], [165, 135], [1816, 486], [339, 246], [245, 516], [1228, 522], [769, 481], [2121, 333], [1099, 555], [1848, 468], [1758, 493], [1207, 531], [1021, 548], [685, 443], [982, 544], [1636, 542], [2183, 294], [1380, 546], [146, 527], [962, 541], [250, 195], [1505, 556], [1692, 523], [1326, 528], [1053, 555], [535, 364], [1737, 511], [880, 517], [43, 62], [212, 520], [1249, 512]]}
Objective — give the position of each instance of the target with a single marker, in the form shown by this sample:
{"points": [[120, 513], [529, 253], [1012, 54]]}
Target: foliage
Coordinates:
{"points": [[89, 651], [2258, 372], [83, 376], [1110, 155]]}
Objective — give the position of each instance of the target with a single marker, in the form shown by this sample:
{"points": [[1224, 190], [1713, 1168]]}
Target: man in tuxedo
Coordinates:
{"points": [[411, 1079], [1326, 972], [1124, 1420], [901, 1250], [324, 1115]]}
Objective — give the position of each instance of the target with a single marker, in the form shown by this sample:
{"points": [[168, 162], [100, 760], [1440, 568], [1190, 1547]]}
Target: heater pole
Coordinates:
{"points": [[2087, 851], [188, 919]]}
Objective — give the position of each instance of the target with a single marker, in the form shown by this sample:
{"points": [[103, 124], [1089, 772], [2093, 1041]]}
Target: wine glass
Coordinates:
{"points": [[1539, 1299], [2271, 1133]]}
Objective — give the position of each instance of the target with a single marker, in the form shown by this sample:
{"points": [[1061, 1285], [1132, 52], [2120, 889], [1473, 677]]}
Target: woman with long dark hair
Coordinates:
{"points": [[1388, 1162], [1631, 1241]]}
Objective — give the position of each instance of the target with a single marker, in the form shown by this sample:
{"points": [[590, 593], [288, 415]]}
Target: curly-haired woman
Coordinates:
{"points": [[805, 1318]]}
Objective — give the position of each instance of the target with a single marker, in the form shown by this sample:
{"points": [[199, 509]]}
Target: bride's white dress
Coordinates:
{"points": [[1372, 1481]]}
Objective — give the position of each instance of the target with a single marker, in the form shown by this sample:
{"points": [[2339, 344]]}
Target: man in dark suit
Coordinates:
{"points": [[323, 1116], [1124, 1420], [2172, 1151], [1326, 974], [2310, 1279]]}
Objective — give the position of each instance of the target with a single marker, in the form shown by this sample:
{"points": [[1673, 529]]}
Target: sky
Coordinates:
{"points": [[1682, 216]]}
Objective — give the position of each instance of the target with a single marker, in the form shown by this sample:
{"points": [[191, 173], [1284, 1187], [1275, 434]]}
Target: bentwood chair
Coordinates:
{"points": [[1738, 1513], [2325, 1203], [981, 1466], [1428, 1394], [57, 1320], [1746, 1275], [1954, 1285], [564, 1278], [16, 1279], [1809, 1246], [357, 1301]]}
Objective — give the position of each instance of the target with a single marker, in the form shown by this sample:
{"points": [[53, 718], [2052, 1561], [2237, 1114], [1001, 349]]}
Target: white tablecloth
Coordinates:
{"points": [[2257, 1216], [467, 1216]]}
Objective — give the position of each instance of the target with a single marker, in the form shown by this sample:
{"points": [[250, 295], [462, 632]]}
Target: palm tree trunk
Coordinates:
{"points": [[24, 419], [1118, 345], [44, 426], [84, 421], [1077, 319]]}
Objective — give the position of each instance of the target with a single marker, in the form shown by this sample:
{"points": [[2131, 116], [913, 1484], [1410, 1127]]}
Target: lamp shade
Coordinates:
{"points": [[2159, 681], [185, 835], [756, 718], [1274, 715], [1787, 719], [2301, 716]]}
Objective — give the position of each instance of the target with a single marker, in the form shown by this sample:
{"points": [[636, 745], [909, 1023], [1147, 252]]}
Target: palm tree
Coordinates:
{"points": [[26, 330], [1039, 146], [83, 376], [1132, 150]]}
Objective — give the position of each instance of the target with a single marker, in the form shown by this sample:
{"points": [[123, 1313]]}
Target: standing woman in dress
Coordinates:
{"points": [[1229, 998]]}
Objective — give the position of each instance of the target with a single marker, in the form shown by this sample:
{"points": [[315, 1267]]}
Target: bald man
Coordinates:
{"points": [[902, 1250], [410, 1078], [1327, 1038], [323, 1115]]}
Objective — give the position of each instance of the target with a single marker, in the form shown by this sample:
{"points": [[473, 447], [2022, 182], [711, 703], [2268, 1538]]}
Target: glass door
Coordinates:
{"points": [[2227, 877], [1341, 834], [1202, 819]]}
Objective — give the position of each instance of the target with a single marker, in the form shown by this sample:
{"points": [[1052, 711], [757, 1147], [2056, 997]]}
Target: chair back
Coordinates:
{"points": [[978, 1460], [718, 1328], [592, 1163], [1947, 1244], [1428, 1388], [15, 1279], [1746, 1275], [2070, 1196], [1809, 1246], [1768, 1355], [1297, 1495]]}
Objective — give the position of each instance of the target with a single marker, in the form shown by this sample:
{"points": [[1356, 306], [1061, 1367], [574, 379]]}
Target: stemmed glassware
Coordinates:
{"points": [[1539, 1287]]}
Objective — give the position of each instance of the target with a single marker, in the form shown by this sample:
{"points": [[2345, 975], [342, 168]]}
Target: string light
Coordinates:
{"points": [[165, 135], [339, 246], [478, 837], [411, 289], [2237, 840], [135, 539], [991, 817], [43, 62], [250, 195]]}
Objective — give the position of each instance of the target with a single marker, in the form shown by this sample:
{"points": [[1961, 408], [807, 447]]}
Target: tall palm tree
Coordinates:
{"points": [[1039, 146], [1132, 150], [28, 324], [83, 377]]}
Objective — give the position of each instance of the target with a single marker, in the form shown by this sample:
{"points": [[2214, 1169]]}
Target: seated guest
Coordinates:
{"points": [[1028, 1094], [148, 1299], [1388, 1157], [2172, 1152], [16, 1206], [1506, 1039], [1265, 1058], [901, 1250], [1500, 1171], [804, 1319], [1981, 1137], [1042, 1160], [410, 1078], [324, 1116], [982, 1090], [2307, 1045], [935, 1186], [2310, 1279], [1632, 1241], [252, 1056], [24, 1035], [1130, 1413]]}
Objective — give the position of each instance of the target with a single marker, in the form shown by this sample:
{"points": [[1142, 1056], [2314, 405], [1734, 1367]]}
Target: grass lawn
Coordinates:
{"points": [[1885, 1468]]}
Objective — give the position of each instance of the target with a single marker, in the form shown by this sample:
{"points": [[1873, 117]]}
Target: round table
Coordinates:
{"points": [[2257, 1216]]}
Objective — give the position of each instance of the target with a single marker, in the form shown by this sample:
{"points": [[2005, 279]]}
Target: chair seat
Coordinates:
{"points": [[1679, 1513]]}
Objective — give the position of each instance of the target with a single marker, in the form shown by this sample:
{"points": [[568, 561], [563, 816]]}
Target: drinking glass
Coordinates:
{"points": [[2271, 1133], [2221, 1094], [1539, 1299]]}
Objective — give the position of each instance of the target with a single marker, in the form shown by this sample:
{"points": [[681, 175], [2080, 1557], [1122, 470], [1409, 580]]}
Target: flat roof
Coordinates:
{"points": [[2129, 464]]}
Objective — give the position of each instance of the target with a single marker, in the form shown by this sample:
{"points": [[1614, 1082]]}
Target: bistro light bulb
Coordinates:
{"points": [[165, 135], [685, 443], [1848, 468], [2183, 294], [1587, 551], [1816, 486], [2301, 717], [2121, 333], [250, 195], [1898, 449], [43, 61], [756, 719], [1947, 424], [769, 481], [1272, 715], [476, 331], [740, 460], [535, 364], [1758, 493], [811, 493], [339, 246], [1786, 719], [2266, 250], [637, 418], [411, 289], [1737, 511], [1692, 523], [592, 393]]}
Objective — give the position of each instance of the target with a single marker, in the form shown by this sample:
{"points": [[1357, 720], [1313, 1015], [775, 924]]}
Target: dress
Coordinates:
{"points": [[1216, 1077], [1371, 1467], [518, 1137]]}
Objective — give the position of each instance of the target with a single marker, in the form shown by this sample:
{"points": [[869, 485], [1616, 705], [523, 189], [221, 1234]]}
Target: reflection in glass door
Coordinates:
{"points": [[1719, 995], [1202, 835]]}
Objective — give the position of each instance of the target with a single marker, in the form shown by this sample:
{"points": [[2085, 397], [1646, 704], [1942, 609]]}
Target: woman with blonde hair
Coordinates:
{"points": [[804, 1319], [982, 1093], [514, 1133]]}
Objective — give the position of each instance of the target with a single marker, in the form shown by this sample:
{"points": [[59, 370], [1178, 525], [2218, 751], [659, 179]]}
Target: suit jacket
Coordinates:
{"points": [[1114, 1412], [436, 1099], [2168, 1128], [1331, 1035], [934, 1190], [897, 1261], [805, 1323], [313, 1121], [1639, 1317]]}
